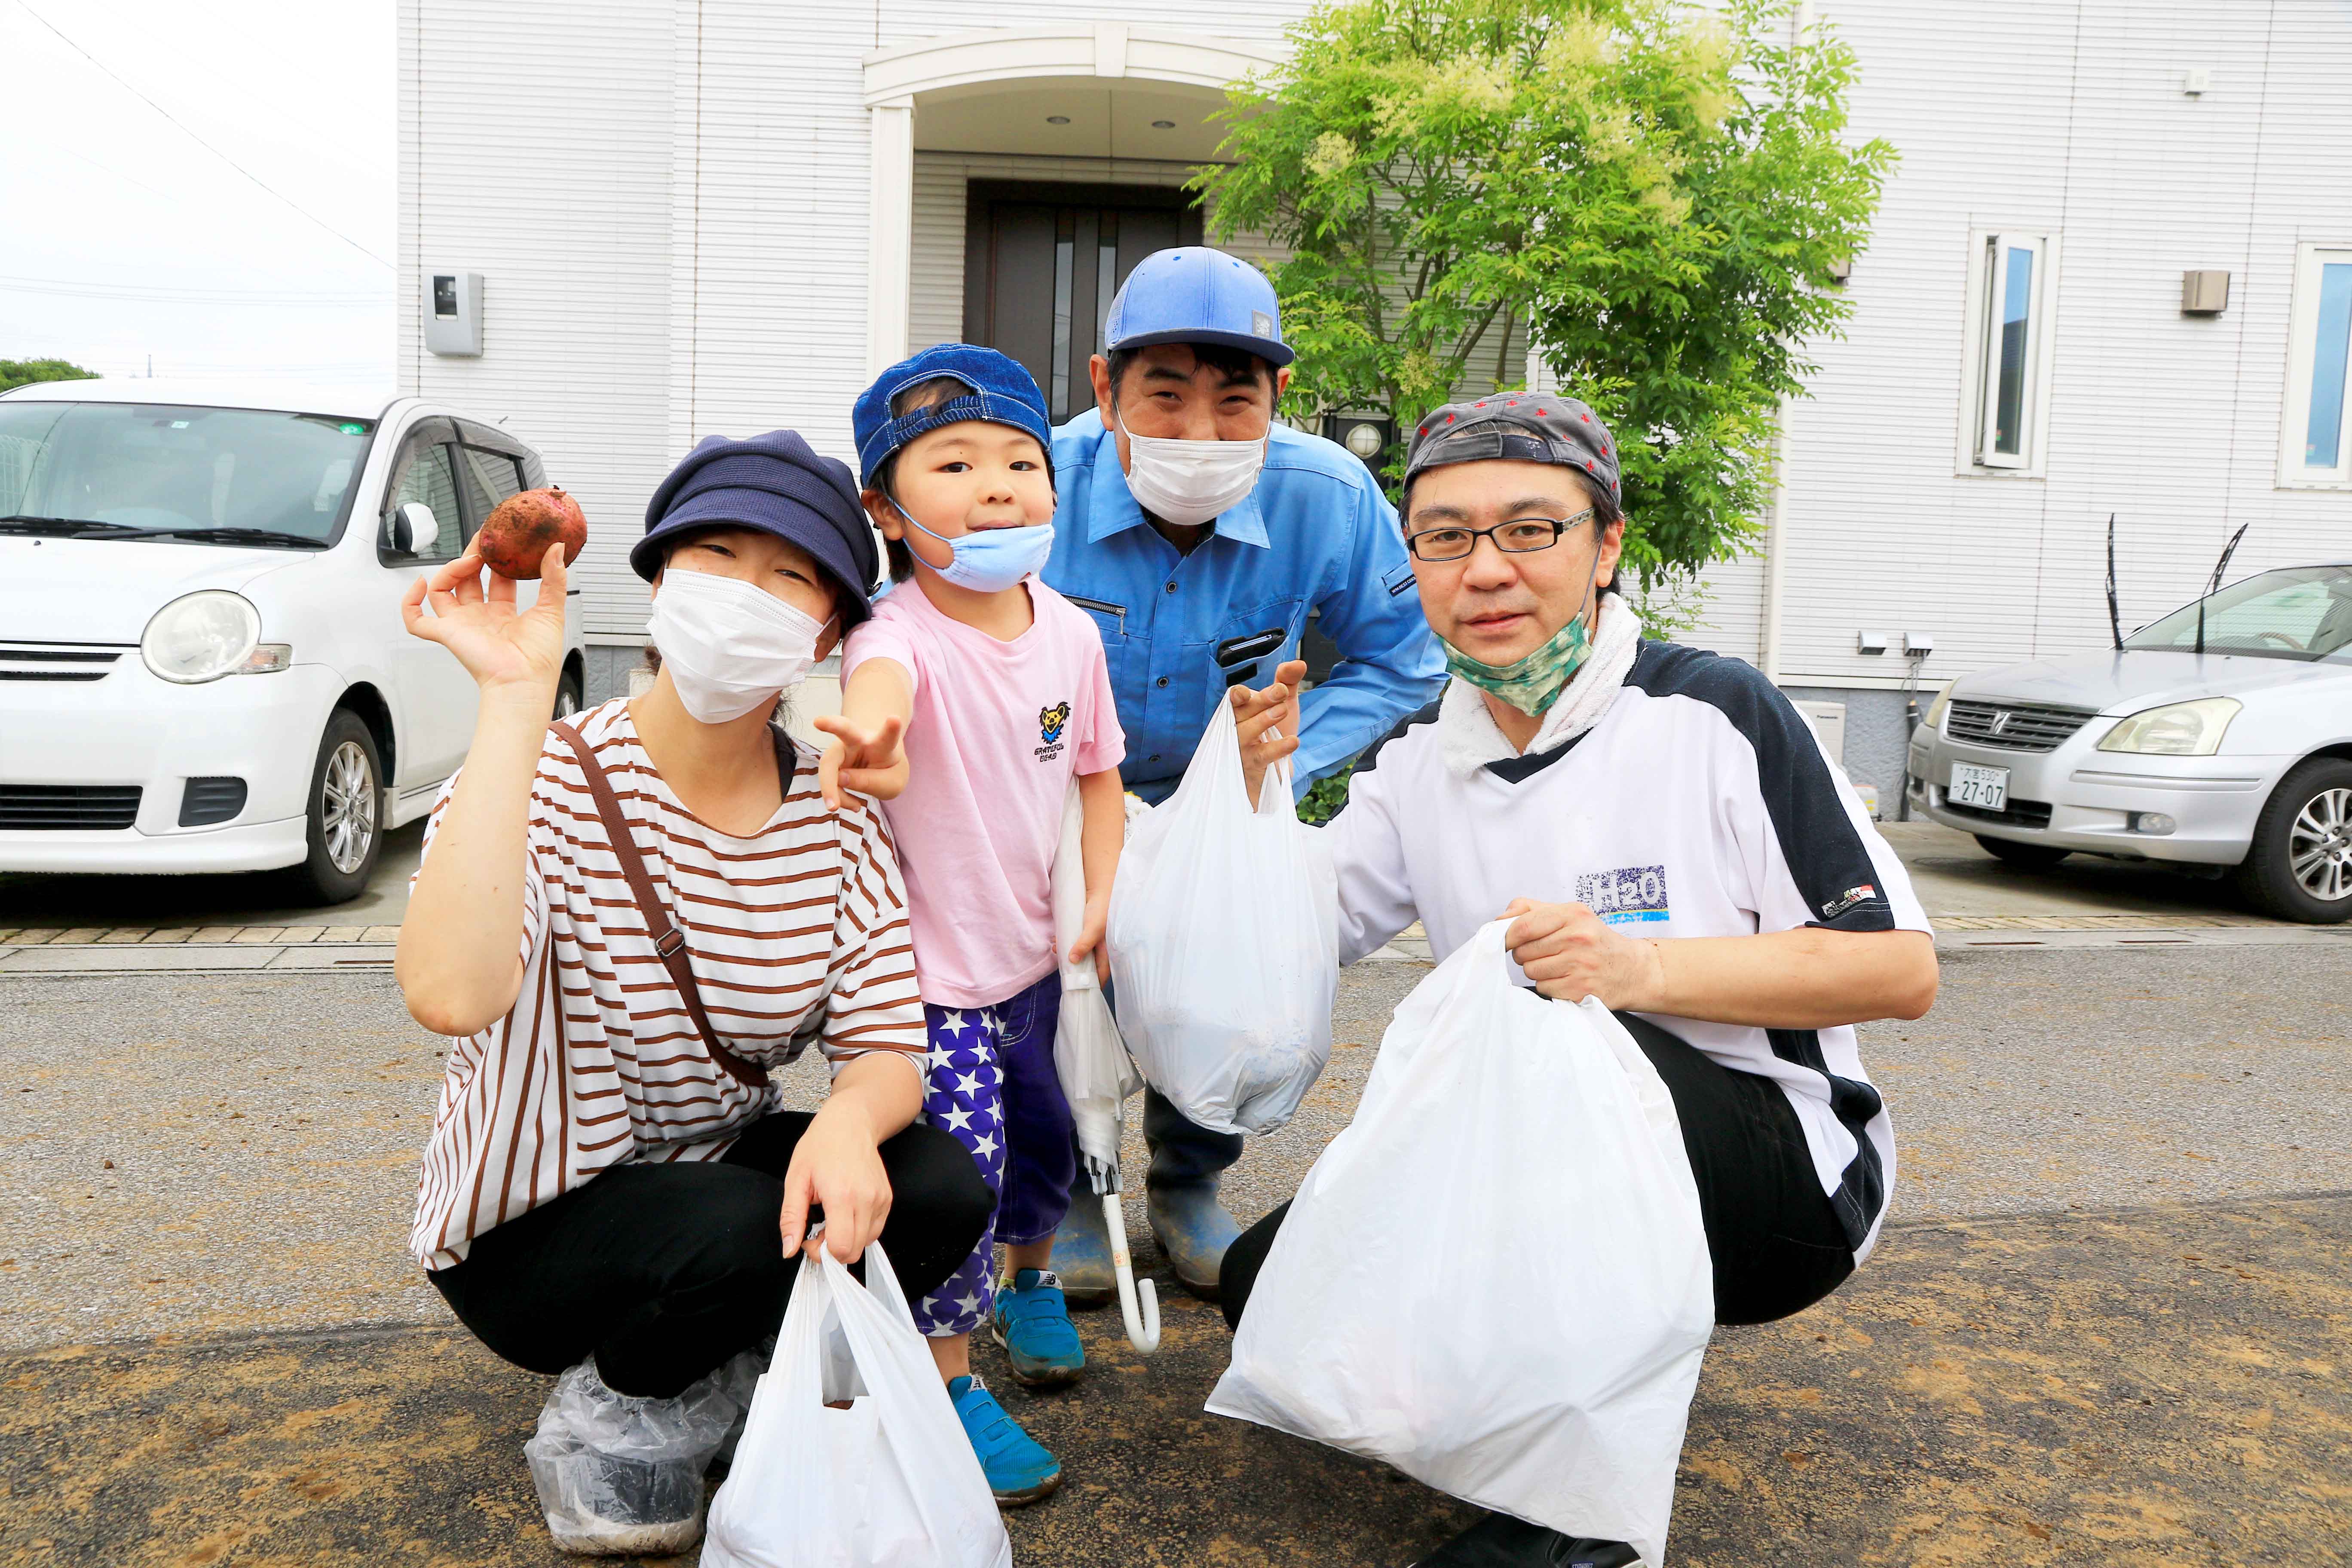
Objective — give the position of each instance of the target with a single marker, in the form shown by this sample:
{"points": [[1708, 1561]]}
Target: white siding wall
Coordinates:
{"points": [[674, 242], [535, 150], [2067, 118]]}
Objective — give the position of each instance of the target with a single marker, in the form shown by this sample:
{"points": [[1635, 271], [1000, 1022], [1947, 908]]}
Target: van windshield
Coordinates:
{"points": [[2298, 612], [103, 470]]}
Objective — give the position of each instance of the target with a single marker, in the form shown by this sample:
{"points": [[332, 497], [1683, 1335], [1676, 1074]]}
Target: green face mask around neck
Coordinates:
{"points": [[1531, 684]]}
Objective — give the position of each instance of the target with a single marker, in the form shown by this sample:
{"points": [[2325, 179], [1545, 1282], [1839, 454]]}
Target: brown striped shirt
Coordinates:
{"points": [[797, 933]]}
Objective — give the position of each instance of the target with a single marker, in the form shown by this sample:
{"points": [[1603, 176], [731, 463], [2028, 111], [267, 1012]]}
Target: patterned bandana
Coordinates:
{"points": [[1532, 684]]}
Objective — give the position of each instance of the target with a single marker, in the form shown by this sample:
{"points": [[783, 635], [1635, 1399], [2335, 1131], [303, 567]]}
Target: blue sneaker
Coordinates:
{"points": [[1032, 1323], [1018, 1469]]}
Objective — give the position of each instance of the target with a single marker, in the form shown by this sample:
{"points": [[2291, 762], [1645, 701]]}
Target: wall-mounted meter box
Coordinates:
{"points": [[453, 313], [2204, 293]]}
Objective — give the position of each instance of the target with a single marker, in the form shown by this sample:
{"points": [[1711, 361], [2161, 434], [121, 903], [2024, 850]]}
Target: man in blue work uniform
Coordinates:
{"points": [[1199, 533]]}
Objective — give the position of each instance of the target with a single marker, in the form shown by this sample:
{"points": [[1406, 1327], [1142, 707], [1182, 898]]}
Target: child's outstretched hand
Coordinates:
{"points": [[867, 758], [1090, 937]]}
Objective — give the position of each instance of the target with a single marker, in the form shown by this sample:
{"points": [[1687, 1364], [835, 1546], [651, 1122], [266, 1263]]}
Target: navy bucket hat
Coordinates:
{"points": [[775, 484], [1003, 391]]}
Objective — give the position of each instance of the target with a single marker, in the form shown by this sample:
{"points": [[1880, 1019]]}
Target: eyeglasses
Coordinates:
{"points": [[1520, 536]]}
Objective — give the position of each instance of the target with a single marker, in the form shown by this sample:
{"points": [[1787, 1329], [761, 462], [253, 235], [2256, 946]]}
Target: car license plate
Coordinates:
{"points": [[1986, 789]]}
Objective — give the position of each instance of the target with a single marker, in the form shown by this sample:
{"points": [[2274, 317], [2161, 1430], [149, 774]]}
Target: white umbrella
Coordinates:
{"points": [[1097, 1075]]}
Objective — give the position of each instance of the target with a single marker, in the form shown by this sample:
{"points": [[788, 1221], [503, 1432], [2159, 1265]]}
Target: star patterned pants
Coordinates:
{"points": [[989, 1084]]}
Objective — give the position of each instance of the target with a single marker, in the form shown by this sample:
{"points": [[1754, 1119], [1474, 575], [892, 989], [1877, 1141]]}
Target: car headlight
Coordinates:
{"points": [[2177, 729], [203, 637], [1934, 719]]}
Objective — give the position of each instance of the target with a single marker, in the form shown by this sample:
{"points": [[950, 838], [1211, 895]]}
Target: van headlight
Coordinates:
{"points": [[2177, 729], [203, 637]]}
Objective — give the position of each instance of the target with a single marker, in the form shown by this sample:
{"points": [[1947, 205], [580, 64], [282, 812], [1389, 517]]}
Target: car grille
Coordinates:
{"points": [[2019, 813], [58, 661], [66, 807], [2013, 726]]}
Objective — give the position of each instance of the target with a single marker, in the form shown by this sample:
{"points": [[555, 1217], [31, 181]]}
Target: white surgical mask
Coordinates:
{"points": [[1190, 483], [729, 646]]}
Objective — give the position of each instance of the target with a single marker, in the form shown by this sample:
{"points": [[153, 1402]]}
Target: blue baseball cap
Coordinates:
{"points": [[1196, 295], [1003, 391], [776, 484]]}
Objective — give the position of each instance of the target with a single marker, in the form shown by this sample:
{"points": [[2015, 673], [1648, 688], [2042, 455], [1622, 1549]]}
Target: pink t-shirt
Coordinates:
{"points": [[998, 731]]}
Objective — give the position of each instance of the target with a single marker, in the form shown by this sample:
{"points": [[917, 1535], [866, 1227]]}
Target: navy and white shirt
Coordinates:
{"points": [[1700, 804]]}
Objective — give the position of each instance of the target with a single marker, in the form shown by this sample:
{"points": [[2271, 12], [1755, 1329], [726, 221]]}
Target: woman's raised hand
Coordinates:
{"points": [[498, 647], [1266, 723]]}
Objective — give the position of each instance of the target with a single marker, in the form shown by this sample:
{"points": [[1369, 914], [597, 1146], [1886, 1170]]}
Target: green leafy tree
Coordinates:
{"points": [[15, 372], [1654, 194]]}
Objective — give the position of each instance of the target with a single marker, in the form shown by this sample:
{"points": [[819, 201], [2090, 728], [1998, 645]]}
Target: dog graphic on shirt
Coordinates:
{"points": [[1051, 722]]}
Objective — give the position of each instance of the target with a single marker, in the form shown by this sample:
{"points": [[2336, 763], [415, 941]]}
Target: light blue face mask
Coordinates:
{"points": [[990, 559]]}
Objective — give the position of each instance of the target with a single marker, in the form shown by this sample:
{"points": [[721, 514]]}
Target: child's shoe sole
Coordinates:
{"points": [[1037, 1493]]}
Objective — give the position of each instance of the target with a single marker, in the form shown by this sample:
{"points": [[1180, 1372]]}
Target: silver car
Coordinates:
{"points": [[2238, 758]]}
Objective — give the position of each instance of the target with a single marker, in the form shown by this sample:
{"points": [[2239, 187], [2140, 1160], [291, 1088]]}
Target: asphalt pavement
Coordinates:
{"points": [[206, 1181]]}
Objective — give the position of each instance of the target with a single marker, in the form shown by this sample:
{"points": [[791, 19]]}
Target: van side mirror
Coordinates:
{"points": [[414, 528]]}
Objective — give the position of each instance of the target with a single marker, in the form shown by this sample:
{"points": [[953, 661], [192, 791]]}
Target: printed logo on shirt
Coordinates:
{"points": [[1848, 900], [1630, 895], [1051, 722]]}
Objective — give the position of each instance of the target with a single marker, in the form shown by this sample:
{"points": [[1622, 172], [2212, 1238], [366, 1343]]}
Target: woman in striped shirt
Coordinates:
{"points": [[610, 1185]]}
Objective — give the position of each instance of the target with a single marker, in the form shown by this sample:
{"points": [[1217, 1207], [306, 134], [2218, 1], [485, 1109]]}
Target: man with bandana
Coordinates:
{"points": [[1665, 833]]}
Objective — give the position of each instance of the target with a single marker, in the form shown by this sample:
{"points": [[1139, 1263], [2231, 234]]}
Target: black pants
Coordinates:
{"points": [[663, 1272], [1776, 1243]]}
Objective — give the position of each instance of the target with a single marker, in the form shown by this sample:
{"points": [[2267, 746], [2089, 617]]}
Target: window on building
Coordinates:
{"points": [[2014, 317], [2315, 446]]}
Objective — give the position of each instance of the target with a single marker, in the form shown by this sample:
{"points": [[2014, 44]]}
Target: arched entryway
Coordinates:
{"points": [[1017, 172]]}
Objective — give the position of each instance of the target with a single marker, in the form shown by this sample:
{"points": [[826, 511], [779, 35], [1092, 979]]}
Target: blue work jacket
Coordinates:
{"points": [[1315, 535]]}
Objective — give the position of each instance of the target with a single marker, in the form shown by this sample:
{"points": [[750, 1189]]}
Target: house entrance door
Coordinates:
{"points": [[1042, 262]]}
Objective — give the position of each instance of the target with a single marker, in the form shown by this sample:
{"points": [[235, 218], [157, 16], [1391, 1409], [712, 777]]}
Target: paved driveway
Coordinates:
{"points": [[2106, 1325]]}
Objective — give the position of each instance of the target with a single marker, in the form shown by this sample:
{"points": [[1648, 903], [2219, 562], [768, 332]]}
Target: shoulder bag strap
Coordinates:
{"points": [[669, 943]]}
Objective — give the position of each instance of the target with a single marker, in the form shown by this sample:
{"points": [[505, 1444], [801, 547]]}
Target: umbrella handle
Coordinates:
{"points": [[1139, 1301]]}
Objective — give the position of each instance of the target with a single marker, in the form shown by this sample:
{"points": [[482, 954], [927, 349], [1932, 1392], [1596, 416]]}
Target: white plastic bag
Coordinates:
{"points": [[1225, 943], [1495, 1278], [890, 1481], [616, 1473]]}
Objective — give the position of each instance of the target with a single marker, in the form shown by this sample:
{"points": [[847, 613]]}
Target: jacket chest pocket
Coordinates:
{"points": [[1110, 620], [1251, 643]]}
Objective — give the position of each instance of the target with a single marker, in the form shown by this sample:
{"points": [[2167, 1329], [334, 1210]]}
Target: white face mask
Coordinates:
{"points": [[729, 646], [1191, 482]]}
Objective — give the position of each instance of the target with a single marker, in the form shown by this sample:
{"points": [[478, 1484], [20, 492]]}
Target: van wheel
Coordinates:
{"points": [[346, 826], [2026, 856], [569, 698], [2300, 865]]}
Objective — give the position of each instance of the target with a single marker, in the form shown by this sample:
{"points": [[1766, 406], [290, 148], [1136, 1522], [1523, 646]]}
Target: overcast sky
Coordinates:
{"points": [[122, 234]]}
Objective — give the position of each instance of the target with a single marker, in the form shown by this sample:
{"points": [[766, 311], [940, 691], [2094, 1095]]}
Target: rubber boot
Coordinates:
{"points": [[1081, 1252], [1498, 1540], [1193, 1230]]}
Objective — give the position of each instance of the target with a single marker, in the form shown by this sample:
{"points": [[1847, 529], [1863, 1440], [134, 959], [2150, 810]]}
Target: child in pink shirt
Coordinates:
{"points": [[999, 686]]}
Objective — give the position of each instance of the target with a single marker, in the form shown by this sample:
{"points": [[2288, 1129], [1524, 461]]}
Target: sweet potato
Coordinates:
{"points": [[513, 542]]}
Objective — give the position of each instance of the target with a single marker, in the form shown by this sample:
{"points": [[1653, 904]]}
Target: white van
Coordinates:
{"points": [[202, 661]]}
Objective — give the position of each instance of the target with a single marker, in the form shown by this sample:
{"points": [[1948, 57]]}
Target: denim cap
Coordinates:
{"points": [[1524, 426], [775, 484], [1196, 295], [1003, 391]]}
